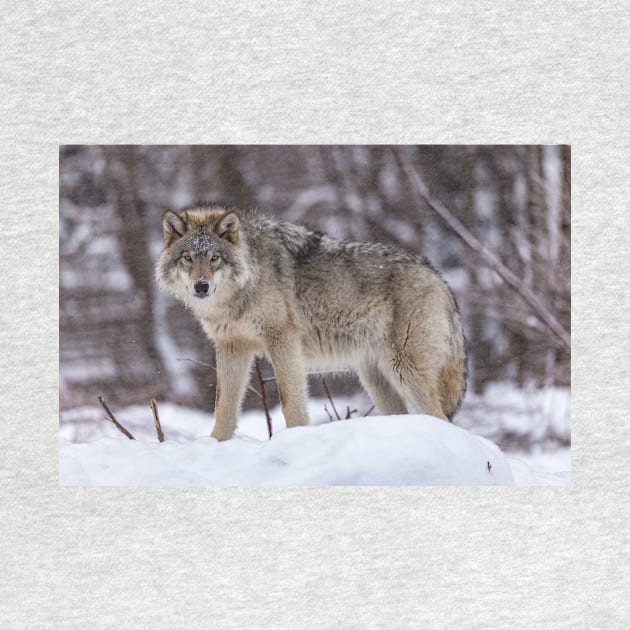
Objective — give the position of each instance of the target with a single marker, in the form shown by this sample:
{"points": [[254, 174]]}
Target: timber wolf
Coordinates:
{"points": [[261, 287]]}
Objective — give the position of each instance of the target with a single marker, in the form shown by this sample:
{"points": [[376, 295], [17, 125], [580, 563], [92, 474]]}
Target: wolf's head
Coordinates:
{"points": [[204, 250]]}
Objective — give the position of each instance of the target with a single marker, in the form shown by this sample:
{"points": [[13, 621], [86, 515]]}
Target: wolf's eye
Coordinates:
{"points": [[187, 257], [214, 257]]}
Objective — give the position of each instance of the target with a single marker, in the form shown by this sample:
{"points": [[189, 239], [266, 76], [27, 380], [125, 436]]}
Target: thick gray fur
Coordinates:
{"points": [[304, 300]]}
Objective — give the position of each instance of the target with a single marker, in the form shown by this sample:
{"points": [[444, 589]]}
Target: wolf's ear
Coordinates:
{"points": [[173, 226], [228, 226]]}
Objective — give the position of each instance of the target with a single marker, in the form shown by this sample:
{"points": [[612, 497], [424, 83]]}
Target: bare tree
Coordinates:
{"points": [[517, 284]]}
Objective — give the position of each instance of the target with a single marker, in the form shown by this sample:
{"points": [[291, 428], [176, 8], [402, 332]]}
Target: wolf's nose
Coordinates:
{"points": [[201, 287]]}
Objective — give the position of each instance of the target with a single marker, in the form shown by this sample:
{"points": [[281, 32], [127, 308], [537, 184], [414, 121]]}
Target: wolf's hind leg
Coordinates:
{"points": [[233, 363], [415, 365], [380, 390], [422, 390]]}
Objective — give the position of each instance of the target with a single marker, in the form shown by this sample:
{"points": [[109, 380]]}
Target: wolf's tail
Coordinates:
{"points": [[454, 373]]}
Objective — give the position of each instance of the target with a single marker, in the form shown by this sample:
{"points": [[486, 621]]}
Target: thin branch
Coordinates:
{"points": [[249, 387], [113, 418], [369, 411], [332, 404], [263, 395], [541, 311], [349, 412], [156, 419]]}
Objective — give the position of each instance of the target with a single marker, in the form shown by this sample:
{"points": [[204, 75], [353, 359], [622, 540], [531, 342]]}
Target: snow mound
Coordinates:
{"points": [[409, 450]]}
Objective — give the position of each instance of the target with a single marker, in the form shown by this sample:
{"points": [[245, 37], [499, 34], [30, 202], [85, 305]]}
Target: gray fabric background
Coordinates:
{"points": [[301, 72]]}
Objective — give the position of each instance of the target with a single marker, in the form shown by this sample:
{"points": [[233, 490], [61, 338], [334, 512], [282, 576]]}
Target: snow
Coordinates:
{"points": [[540, 416], [416, 450], [376, 451], [531, 470]]}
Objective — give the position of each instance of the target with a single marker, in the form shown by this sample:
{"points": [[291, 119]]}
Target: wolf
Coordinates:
{"points": [[262, 287]]}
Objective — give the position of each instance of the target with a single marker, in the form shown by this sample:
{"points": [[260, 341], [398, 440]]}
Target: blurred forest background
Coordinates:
{"points": [[122, 338]]}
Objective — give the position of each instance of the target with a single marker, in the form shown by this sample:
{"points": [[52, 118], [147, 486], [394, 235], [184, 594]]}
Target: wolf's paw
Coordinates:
{"points": [[221, 436]]}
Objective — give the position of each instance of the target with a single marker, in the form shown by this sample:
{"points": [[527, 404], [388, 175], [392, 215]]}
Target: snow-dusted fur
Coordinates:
{"points": [[267, 288]]}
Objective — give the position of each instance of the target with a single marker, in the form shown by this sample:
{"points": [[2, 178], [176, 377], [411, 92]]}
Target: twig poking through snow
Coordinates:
{"points": [[332, 404], [263, 395], [113, 418], [156, 419]]}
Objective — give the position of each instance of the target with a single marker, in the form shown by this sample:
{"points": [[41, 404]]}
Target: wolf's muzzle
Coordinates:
{"points": [[201, 288]]}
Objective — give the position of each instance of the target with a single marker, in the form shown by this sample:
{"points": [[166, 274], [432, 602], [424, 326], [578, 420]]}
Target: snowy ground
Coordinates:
{"points": [[385, 451]]}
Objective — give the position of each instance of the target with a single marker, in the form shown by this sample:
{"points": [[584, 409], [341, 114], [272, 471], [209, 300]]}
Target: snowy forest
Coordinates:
{"points": [[494, 220]]}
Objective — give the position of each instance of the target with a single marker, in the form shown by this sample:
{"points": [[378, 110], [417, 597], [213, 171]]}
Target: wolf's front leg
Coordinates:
{"points": [[233, 363], [285, 354]]}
